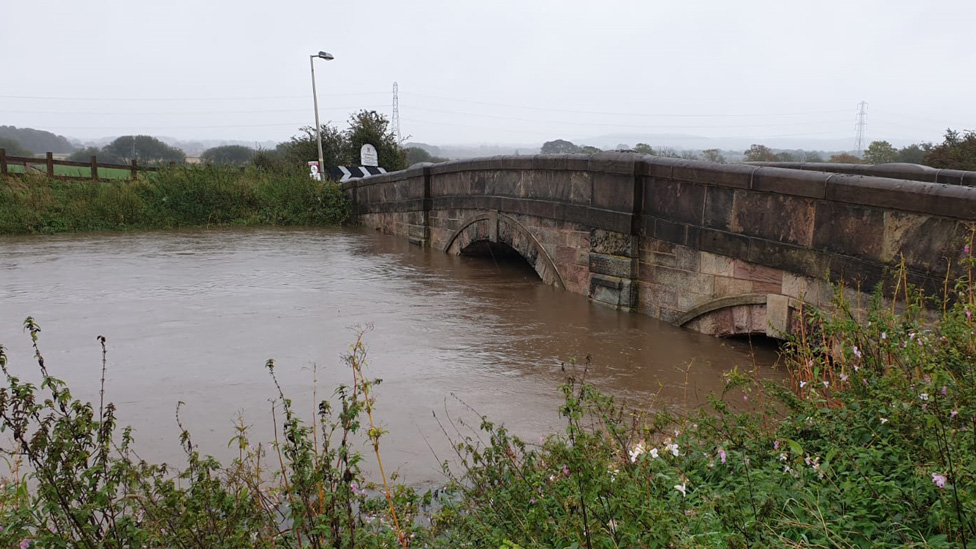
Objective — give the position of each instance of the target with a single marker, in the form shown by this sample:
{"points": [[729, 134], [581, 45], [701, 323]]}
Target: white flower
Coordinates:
{"points": [[636, 451], [653, 453], [923, 396], [826, 384], [681, 488], [884, 420], [673, 448], [802, 384], [782, 457]]}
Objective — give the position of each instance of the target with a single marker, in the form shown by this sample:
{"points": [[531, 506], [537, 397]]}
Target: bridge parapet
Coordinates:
{"points": [[743, 245]]}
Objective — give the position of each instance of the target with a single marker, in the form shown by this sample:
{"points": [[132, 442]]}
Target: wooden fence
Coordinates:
{"points": [[46, 166]]}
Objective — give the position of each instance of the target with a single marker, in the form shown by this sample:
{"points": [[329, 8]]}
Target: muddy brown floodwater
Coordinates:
{"points": [[192, 316]]}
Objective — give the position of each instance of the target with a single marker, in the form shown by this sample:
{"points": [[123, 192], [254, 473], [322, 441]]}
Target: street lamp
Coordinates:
{"points": [[318, 128]]}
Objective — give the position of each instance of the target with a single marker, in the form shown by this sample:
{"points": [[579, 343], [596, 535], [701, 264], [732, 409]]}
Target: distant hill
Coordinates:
{"points": [[38, 141]]}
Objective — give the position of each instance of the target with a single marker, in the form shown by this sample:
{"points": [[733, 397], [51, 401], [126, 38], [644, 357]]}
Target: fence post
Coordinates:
{"points": [[134, 170], [94, 168], [3, 161], [50, 164]]}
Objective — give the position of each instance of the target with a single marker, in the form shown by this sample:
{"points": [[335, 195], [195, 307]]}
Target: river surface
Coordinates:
{"points": [[192, 316]]}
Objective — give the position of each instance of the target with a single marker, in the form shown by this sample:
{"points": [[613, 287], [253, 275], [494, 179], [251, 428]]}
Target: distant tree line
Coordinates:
{"points": [[957, 151], [27, 141]]}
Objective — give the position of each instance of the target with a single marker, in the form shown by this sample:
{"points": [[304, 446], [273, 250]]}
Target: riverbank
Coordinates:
{"points": [[182, 196], [870, 444]]}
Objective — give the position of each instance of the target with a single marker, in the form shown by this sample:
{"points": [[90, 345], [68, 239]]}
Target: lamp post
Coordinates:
{"points": [[318, 128]]}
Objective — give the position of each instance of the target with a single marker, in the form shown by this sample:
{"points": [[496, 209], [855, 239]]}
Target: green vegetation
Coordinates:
{"points": [[872, 444], [73, 171], [339, 148], [144, 149], [233, 155], [181, 196]]}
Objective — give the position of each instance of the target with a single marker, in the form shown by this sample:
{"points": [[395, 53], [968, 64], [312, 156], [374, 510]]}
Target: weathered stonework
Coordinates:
{"points": [[723, 249]]}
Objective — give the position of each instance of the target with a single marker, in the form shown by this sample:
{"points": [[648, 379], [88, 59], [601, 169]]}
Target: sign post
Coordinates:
{"points": [[368, 156]]}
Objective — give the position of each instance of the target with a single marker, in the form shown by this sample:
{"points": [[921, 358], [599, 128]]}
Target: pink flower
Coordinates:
{"points": [[25, 543], [943, 390], [954, 413], [843, 377], [775, 445], [939, 480], [565, 470], [745, 398], [965, 249], [721, 454]]}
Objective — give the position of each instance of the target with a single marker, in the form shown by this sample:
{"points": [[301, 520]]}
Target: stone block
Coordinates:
{"points": [[613, 243], [908, 196], [718, 208], [924, 241], [658, 296], [774, 217], [795, 259], [849, 229], [729, 287], [724, 243], [613, 265], [729, 175], [718, 265], [674, 201], [791, 182], [685, 281], [744, 270], [613, 192], [613, 291], [777, 316]]}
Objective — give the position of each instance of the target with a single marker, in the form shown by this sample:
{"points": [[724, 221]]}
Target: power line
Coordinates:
{"points": [[178, 113], [624, 125], [576, 111], [165, 99]]}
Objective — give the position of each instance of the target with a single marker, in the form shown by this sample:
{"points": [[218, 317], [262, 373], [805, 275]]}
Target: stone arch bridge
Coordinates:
{"points": [[721, 249]]}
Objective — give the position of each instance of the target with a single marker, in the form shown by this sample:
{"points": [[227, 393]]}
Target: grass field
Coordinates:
{"points": [[73, 171]]}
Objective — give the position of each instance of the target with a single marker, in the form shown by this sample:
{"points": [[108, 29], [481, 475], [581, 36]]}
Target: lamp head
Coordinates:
{"points": [[325, 55]]}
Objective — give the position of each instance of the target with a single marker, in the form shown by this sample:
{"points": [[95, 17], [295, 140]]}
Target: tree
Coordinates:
{"points": [[810, 156], [644, 148], [14, 148], [559, 146], [416, 155], [37, 140], [880, 152], [590, 149], [144, 149], [844, 158], [713, 155], [785, 156], [373, 128], [304, 148], [760, 153], [234, 155], [956, 152], [84, 155], [914, 154]]}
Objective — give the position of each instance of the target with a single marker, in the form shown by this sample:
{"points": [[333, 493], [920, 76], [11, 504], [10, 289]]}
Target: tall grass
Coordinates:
{"points": [[184, 196]]}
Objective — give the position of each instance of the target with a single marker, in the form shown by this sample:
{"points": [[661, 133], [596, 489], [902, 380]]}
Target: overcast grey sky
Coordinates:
{"points": [[504, 71]]}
